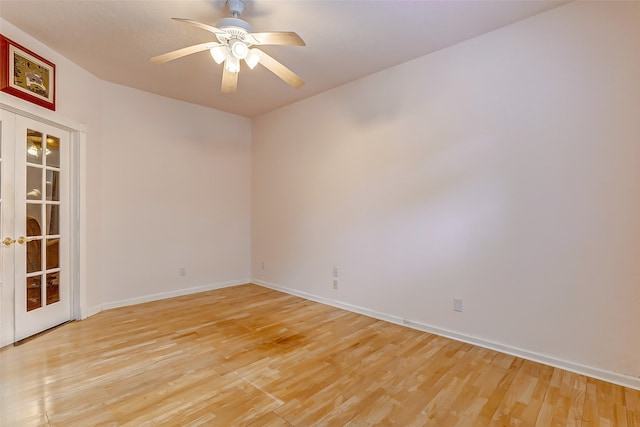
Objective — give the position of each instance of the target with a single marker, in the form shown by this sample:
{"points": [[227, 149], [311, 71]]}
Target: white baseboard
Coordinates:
{"points": [[590, 371], [170, 294], [91, 311]]}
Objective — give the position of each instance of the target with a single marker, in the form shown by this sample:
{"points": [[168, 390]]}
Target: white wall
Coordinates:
{"points": [[503, 171], [168, 186], [175, 192]]}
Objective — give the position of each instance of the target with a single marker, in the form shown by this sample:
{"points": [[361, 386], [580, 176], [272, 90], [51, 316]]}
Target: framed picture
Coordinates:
{"points": [[27, 75]]}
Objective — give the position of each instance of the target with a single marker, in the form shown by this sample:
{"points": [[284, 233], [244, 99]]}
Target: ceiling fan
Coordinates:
{"points": [[236, 41]]}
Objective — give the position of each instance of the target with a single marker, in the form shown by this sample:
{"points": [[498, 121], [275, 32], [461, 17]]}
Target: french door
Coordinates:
{"points": [[34, 243]]}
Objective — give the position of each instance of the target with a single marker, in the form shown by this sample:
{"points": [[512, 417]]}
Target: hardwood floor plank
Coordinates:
{"points": [[564, 402], [632, 402], [524, 398], [604, 404], [31, 413], [269, 419], [248, 355]]}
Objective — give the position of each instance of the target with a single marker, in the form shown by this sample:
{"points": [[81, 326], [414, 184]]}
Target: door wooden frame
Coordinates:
{"points": [[77, 203]]}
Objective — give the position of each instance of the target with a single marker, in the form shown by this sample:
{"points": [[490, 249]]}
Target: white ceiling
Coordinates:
{"points": [[346, 40]]}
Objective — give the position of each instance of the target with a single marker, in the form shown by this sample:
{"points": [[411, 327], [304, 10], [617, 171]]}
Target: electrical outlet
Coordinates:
{"points": [[263, 265], [335, 271], [335, 283], [457, 304], [182, 271]]}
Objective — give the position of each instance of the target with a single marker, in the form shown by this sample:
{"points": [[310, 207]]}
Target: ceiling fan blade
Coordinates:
{"points": [[214, 30], [229, 81], [278, 38], [170, 56], [280, 70]]}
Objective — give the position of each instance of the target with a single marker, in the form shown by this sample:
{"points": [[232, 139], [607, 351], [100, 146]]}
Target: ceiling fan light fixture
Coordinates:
{"points": [[235, 38], [232, 64], [252, 59], [239, 49], [219, 53]]}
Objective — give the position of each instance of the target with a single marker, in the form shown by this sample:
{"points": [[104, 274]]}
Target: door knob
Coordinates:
{"points": [[22, 240], [8, 241]]}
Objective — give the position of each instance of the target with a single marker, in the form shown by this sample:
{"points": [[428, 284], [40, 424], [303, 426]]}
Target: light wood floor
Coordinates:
{"points": [[252, 356]]}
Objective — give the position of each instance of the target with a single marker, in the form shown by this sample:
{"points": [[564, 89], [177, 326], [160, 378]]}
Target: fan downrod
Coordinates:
{"points": [[235, 7]]}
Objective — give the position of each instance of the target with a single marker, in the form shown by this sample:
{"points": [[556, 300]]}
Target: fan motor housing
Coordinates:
{"points": [[228, 24]]}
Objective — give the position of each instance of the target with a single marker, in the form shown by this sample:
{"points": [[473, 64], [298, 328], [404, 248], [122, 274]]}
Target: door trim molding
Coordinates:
{"points": [[25, 109], [78, 139]]}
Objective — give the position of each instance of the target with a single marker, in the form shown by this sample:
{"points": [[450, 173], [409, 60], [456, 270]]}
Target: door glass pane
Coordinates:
{"points": [[34, 147], [34, 183], [53, 219], [34, 219], [53, 151], [34, 293], [53, 260], [34, 256], [53, 191], [53, 287]]}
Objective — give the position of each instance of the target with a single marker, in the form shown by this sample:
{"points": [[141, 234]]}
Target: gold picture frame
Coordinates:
{"points": [[27, 75]]}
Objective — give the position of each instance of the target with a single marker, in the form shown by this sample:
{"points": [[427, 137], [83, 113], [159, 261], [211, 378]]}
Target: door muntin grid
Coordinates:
{"points": [[42, 219]]}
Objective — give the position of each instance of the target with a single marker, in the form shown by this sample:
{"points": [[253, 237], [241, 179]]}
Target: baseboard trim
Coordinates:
{"points": [[90, 312], [170, 294], [590, 371]]}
